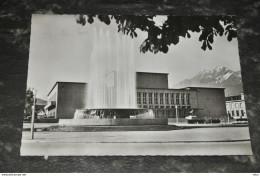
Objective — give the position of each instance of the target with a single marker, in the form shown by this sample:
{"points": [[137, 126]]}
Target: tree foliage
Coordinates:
{"points": [[159, 38], [28, 102]]}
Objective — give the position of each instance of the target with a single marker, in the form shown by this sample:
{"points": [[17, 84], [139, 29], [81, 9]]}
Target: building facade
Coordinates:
{"points": [[236, 107], [151, 92], [202, 102], [64, 98]]}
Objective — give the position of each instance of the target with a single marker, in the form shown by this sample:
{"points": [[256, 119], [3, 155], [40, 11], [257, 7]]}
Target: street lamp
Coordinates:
{"points": [[33, 111]]}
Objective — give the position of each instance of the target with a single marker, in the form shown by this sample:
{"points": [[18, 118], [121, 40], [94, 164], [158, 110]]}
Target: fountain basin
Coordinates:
{"points": [[113, 117], [112, 122], [115, 113]]}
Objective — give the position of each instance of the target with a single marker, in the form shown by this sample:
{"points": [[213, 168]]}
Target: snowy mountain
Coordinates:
{"points": [[218, 77]]}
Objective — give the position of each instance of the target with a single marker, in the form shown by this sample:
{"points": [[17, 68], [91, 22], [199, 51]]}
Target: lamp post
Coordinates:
{"points": [[177, 119], [33, 112]]}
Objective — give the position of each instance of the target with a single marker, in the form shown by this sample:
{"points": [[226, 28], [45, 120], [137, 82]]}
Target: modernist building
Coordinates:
{"points": [[236, 107], [152, 92], [64, 98]]}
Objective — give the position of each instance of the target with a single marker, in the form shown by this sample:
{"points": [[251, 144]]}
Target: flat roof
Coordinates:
{"points": [[153, 73], [158, 88], [64, 82], [232, 96], [203, 88]]}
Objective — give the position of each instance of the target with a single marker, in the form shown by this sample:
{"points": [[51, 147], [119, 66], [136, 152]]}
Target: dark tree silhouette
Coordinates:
{"points": [[161, 37], [28, 103]]}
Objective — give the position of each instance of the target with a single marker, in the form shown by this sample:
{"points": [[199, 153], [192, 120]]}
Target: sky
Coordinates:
{"points": [[60, 50]]}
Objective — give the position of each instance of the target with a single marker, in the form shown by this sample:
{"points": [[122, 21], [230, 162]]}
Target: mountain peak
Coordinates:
{"points": [[216, 69], [217, 77], [221, 69]]}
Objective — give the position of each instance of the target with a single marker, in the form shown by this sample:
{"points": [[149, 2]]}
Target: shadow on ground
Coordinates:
{"points": [[112, 128], [131, 164]]}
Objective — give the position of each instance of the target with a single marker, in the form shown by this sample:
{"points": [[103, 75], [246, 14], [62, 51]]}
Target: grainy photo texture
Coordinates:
{"points": [[125, 85]]}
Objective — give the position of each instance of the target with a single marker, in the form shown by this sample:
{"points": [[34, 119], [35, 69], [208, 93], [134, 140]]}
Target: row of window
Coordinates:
{"points": [[233, 98], [238, 114], [163, 98], [235, 105], [164, 107]]}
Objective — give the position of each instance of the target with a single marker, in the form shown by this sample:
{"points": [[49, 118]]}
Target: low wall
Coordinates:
{"points": [[42, 121], [180, 120], [107, 122]]}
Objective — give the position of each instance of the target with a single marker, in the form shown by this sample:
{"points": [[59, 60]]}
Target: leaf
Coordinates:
{"points": [[233, 34], [135, 34], [175, 40], [203, 35], [188, 34], [90, 19], [204, 46], [209, 46], [210, 38], [81, 20], [164, 48], [228, 27], [143, 47], [229, 37]]}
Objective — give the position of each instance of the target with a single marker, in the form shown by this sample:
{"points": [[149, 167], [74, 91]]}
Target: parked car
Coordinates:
{"points": [[191, 117]]}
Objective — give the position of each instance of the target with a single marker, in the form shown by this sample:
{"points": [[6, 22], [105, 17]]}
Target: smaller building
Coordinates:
{"points": [[69, 96], [40, 111], [236, 107]]}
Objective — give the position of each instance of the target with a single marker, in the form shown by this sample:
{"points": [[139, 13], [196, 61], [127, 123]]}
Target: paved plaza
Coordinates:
{"points": [[193, 141]]}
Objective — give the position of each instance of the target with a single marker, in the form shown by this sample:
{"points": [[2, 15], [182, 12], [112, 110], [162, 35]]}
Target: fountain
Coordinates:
{"points": [[112, 81], [111, 94]]}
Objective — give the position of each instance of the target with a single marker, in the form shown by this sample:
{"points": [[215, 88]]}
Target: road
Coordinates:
{"points": [[195, 141]]}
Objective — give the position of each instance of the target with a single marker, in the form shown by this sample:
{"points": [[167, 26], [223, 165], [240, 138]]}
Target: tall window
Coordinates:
{"points": [[182, 99], [167, 98], [237, 112], [177, 98], [188, 98], [242, 113], [172, 98], [150, 98], [138, 97], [156, 98], [233, 114], [161, 98], [144, 98]]}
